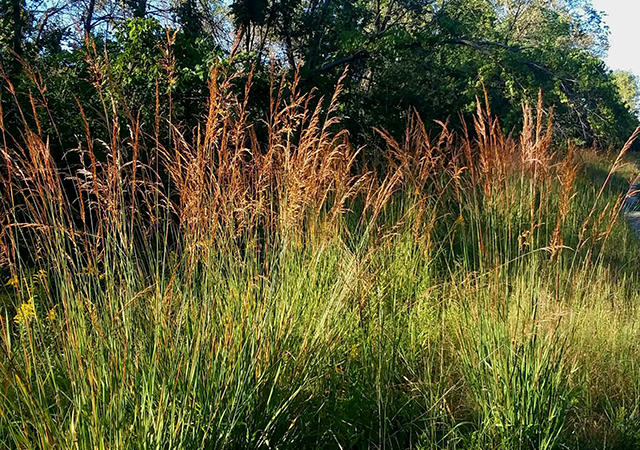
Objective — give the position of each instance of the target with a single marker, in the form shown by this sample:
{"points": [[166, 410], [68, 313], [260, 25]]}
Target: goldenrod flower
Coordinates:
{"points": [[93, 272], [25, 313], [51, 315], [14, 281]]}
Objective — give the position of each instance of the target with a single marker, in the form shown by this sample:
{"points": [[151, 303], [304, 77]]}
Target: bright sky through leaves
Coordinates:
{"points": [[622, 19]]}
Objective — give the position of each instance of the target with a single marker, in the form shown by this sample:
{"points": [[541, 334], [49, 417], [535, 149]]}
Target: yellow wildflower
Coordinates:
{"points": [[14, 281], [93, 272], [25, 313], [51, 315]]}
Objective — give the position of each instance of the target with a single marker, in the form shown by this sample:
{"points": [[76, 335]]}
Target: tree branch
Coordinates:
{"points": [[357, 56], [481, 45]]}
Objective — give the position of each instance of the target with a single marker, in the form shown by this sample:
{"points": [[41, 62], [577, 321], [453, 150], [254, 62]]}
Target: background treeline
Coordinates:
{"points": [[434, 56]]}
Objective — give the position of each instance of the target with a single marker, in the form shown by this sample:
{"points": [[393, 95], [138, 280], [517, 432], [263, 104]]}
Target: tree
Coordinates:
{"points": [[628, 86], [437, 56], [432, 56], [13, 23]]}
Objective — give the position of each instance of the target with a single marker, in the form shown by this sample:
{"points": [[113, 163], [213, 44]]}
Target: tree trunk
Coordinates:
{"points": [[141, 9], [289, 48], [88, 18], [16, 18]]}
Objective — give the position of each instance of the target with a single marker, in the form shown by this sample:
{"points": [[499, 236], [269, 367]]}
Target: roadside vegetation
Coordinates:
{"points": [[225, 291], [305, 224]]}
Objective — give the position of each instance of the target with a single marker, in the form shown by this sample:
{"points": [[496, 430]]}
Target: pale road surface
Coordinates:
{"points": [[631, 207]]}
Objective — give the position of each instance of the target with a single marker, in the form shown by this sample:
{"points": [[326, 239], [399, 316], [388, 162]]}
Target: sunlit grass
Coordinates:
{"points": [[232, 293]]}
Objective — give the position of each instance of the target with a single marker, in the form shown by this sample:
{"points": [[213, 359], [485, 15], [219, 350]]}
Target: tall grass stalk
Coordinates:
{"points": [[217, 288]]}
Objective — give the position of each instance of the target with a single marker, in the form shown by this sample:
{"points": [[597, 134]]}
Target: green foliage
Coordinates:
{"points": [[432, 56], [629, 89], [480, 301], [144, 53], [519, 380], [427, 298]]}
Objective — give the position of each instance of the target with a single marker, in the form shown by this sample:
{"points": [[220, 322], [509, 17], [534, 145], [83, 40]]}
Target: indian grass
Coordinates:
{"points": [[211, 288]]}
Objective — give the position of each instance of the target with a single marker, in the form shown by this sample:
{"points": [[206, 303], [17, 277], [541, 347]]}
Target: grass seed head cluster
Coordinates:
{"points": [[256, 284]]}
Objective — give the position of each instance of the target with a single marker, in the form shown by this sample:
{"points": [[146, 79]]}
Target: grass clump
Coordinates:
{"points": [[517, 371], [211, 288]]}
